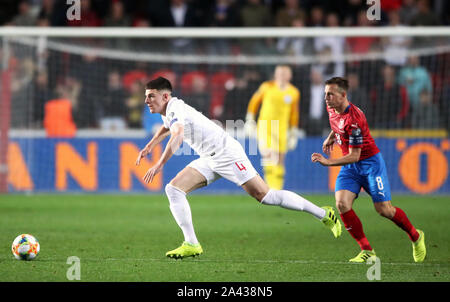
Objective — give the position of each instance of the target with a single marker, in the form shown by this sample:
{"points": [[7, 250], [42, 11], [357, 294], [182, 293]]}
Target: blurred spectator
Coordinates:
{"points": [[223, 14], [254, 13], [41, 95], [199, 96], [362, 45], [25, 16], [21, 92], [144, 44], [88, 17], [390, 102], [295, 46], [218, 92], [69, 89], [58, 117], [395, 47], [357, 94], [313, 100], [291, 11], [238, 92], [42, 22], [135, 105], [117, 17], [424, 15], [416, 79], [90, 73], [114, 110], [350, 15], [316, 17], [426, 114], [178, 13], [53, 11], [331, 51], [235, 104], [407, 11]]}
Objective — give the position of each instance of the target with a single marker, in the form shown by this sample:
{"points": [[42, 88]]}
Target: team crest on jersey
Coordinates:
{"points": [[287, 99], [341, 123]]}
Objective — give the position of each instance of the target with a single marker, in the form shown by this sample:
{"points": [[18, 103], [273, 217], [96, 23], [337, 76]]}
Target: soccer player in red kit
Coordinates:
{"points": [[362, 167]]}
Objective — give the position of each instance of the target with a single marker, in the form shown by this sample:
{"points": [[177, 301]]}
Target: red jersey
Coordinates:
{"points": [[352, 131]]}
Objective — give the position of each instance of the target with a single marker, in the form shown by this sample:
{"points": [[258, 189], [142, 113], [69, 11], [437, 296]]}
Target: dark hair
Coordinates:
{"points": [[342, 83], [159, 83]]}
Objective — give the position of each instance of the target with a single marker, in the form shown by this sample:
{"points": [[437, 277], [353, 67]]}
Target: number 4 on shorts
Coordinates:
{"points": [[241, 167]]}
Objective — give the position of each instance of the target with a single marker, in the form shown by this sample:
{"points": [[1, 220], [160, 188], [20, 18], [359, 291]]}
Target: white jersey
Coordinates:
{"points": [[200, 133], [220, 154]]}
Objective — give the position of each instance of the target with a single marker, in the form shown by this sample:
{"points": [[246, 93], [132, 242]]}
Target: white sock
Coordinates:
{"points": [[181, 211], [292, 201]]}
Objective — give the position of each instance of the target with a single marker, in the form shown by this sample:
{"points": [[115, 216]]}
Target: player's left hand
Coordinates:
{"points": [[293, 136], [151, 173], [317, 157]]}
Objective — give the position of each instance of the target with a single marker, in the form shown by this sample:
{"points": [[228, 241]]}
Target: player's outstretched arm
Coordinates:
{"points": [[159, 136], [176, 138]]}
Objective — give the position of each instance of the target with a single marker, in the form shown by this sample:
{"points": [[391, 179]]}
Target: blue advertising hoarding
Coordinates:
{"points": [[108, 165]]}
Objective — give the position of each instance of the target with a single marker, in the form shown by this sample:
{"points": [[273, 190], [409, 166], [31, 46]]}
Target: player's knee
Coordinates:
{"points": [[259, 195], [343, 206], [386, 211], [171, 190]]}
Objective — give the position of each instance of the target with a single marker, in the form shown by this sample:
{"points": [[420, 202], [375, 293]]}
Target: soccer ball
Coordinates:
{"points": [[25, 247]]}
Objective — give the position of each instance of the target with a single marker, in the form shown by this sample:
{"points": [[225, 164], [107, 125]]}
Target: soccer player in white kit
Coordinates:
{"points": [[220, 156]]}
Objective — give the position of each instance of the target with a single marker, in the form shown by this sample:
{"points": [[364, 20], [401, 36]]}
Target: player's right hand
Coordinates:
{"points": [[141, 155], [319, 158], [151, 173]]}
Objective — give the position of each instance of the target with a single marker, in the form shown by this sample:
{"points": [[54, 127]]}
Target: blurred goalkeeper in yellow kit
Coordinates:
{"points": [[277, 126]]}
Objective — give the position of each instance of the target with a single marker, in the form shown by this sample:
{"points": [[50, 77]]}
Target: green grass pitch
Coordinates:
{"points": [[125, 238]]}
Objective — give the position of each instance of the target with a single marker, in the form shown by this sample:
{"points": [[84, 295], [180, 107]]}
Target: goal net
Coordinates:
{"points": [[73, 113]]}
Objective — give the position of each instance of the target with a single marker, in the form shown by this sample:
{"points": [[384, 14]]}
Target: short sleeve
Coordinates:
{"points": [[165, 122], [175, 113]]}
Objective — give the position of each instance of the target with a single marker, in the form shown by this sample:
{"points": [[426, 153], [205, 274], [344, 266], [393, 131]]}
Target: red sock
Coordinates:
{"points": [[403, 222], [354, 226]]}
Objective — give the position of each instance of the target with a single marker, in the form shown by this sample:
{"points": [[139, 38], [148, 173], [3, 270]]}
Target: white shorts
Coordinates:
{"points": [[231, 163]]}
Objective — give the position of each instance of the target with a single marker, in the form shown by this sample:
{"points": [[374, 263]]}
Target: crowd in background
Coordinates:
{"points": [[399, 90]]}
